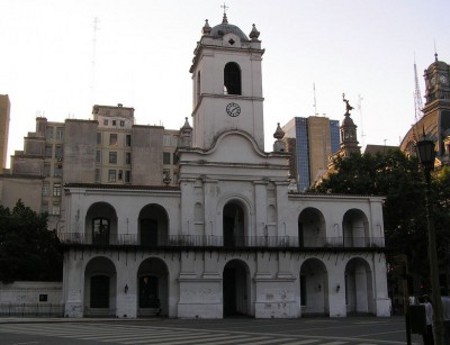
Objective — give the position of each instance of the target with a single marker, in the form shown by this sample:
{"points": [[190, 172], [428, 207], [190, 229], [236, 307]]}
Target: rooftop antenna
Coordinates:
{"points": [[94, 53], [315, 100], [359, 107], [418, 105]]}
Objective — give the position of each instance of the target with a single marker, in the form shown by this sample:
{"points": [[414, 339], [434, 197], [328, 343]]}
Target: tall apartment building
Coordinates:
{"points": [[108, 149], [5, 107], [311, 141]]}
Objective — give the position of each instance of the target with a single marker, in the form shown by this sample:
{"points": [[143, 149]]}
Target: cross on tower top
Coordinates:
{"points": [[225, 8]]}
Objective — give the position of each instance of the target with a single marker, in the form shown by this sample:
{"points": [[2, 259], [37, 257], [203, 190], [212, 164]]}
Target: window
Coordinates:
{"points": [[48, 151], [127, 176], [45, 189], [105, 122], [44, 207], [113, 157], [99, 138], [59, 152], [111, 176], [232, 79], [112, 139], [57, 189], [98, 156], [47, 170], [49, 132], [128, 140], [56, 209], [127, 157], [119, 176], [166, 157], [175, 158], [122, 123], [59, 133], [114, 122], [97, 175], [100, 231], [57, 171]]}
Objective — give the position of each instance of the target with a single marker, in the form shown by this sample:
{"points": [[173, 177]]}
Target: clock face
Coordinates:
{"points": [[443, 79], [233, 109]]}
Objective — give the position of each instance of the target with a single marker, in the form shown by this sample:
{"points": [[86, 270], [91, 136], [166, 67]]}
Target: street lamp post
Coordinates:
{"points": [[426, 154]]}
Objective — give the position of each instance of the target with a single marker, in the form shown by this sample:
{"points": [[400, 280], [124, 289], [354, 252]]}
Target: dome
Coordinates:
{"points": [[348, 121], [221, 30], [441, 65]]}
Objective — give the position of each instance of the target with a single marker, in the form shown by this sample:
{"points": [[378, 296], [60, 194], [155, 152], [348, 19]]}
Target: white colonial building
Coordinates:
{"points": [[230, 238]]}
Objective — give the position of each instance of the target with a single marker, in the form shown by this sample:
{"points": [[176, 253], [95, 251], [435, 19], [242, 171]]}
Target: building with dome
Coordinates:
{"points": [[435, 122], [228, 237]]}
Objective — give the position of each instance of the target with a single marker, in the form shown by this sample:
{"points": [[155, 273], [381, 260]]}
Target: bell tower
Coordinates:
{"points": [[227, 84], [437, 81], [349, 140]]}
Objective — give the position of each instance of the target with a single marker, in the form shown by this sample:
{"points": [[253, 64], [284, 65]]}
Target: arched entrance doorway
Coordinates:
{"points": [[233, 225], [100, 288], [153, 288], [153, 226], [236, 289], [314, 288], [358, 287]]}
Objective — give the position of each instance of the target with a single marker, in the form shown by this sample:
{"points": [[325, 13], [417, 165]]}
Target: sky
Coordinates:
{"points": [[56, 62]]}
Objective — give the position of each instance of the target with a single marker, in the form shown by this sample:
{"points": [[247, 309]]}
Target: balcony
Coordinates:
{"points": [[194, 241]]}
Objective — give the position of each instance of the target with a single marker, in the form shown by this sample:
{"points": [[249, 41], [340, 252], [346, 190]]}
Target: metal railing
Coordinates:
{"points": [[32, 309], [226, 241]]}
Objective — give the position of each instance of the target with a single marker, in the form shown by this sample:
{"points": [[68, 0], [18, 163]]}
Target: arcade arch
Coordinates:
{"points": [[100, 287], [311, 228], [236, 288], [153, 226], [314, 287], [358, 287], [153, 288]]}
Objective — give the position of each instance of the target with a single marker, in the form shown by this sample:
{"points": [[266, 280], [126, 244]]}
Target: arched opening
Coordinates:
{"points": [[101, 224], [236, 289], [153, 286], [153, 226], [233, 225], [358, 287], [232, 79], [311, 228], [355, 229], [100, 288], [314, 288]]}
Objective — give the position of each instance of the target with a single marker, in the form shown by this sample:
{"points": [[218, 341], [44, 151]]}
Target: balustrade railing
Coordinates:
{"points": [[224, 241]]}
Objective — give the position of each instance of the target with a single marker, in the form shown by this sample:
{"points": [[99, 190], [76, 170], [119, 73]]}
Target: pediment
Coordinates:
{"points": [[236, 148]]}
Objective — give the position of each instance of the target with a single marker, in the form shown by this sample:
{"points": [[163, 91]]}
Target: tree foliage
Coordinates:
{"points": [[398, 178], [28, 251]]}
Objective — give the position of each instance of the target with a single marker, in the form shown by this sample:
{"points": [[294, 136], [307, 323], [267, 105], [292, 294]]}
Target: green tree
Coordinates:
{"points": [[399, 179], [28, 251]]}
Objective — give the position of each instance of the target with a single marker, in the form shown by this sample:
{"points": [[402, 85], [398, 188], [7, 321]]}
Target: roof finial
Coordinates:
{"points": [[435, 52], [225, 8]]}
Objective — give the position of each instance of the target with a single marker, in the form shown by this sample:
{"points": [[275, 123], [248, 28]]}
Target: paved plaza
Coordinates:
{"points": [[307, 331]]}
